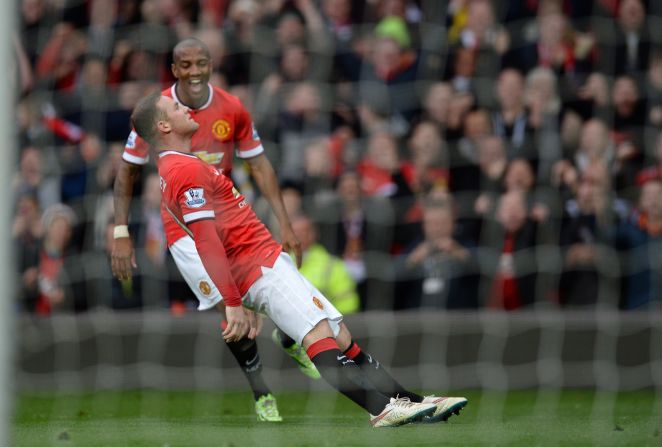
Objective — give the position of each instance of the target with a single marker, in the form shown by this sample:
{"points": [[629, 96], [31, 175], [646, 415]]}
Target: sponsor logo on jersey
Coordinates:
{"points": [[204, 287], [131, 141], [195, 198], [318, 303], [256, 137], [221, 129], [212, 158]]}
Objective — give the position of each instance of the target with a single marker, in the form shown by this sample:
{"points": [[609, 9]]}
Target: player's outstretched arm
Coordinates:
{"points": [[265, 177], [123, 258]]}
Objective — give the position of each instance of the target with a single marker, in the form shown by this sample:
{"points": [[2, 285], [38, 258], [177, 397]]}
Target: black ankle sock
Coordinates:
{"points": [[245, 351], [378, 376], [285, 340], [345, 376]]}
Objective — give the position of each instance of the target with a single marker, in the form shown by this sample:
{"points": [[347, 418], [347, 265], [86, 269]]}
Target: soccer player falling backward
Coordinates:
{"points": [[225, 126], [249, 267]]}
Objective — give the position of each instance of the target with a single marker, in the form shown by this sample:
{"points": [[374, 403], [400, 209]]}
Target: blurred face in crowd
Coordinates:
{"points": [[465, 62], [540, 86], [386, 55], [291, 200], [594, 139], [349, 187], [477, 125], [337, 10], [631, 14], [625, 95], [31, 166], [650, 200], [655, 72], [480, 17], [597, 174], [94, 74], [317, 159], [383, 151], [510, 89], [305, 231], [519, 176], [511, 212], [294, 63], [426, 144], [586, 192], [437, 101], [32, 11], [305, 99], [437, 222], [290, 30], [192, 68], [490, 150], [552, 28]]}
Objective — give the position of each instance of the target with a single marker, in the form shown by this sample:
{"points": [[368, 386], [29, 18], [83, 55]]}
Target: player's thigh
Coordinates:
{"points": [[193, 271], [291, 301]]}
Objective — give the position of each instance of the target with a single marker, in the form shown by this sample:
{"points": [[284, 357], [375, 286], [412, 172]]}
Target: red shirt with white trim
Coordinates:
{"points": [[226, 128], [193, 190]]}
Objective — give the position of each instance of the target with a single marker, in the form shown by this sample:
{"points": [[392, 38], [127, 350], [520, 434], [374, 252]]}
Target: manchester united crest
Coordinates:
{"points": [[221, 129], [204, 287], [318, 303]]}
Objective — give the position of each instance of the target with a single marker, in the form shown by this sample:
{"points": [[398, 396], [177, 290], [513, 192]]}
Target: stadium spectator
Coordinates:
{"points": [[653, 91], [625, 49], [27, 232], [359, 229], [438, 267], [589, 219], [508, 256], [653, 172], [638, 240], [324, 270]]}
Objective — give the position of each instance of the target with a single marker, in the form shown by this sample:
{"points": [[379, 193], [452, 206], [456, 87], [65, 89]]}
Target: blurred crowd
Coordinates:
{"points": [[452, 154]]}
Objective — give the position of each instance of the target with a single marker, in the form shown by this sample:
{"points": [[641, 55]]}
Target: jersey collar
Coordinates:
{"points": [[164, 153], [173, 92]]}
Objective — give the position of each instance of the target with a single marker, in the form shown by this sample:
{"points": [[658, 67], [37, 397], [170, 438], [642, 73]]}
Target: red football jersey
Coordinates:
{"points": [[193, 190], [226, 128]]}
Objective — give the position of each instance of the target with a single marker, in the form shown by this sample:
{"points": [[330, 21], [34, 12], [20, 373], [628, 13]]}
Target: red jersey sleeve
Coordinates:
{"points": [[136, 150], [248, 142], [194, 195]]}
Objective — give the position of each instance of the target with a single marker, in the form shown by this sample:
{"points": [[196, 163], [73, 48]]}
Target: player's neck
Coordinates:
{"points": [[189, 102], [173, 142]]}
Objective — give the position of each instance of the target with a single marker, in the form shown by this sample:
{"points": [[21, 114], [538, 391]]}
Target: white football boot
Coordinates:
{"points": [[402, 411], [445, 407]]}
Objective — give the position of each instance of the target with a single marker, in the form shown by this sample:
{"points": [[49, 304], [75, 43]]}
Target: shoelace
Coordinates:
{"points": [[404, 402]]}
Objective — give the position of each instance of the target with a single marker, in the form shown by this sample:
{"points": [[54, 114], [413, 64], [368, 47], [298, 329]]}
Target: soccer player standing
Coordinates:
{"points": [[226, 128], [247, 266]]}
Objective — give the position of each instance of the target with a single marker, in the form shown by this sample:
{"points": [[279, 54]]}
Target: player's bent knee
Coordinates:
{"points": [[320, 331]]}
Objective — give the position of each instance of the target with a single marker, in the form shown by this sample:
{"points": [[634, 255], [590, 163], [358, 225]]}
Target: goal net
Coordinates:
{"points": [[482, 183]]}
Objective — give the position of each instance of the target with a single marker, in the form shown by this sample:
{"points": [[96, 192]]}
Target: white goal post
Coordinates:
{"points": [[7, 275]]}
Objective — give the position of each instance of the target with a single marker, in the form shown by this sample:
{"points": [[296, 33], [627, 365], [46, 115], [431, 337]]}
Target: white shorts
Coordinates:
{"points": [[190, 266], [290, 300], [282, 293]]}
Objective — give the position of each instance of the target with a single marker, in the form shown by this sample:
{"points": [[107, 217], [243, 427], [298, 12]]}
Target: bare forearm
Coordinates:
{"points": [[267, 182], [122, 191]]}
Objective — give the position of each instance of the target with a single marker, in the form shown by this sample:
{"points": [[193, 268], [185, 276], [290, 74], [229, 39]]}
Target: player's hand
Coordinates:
{"points": [[255, 322], [291, 243], [237, 327], [123, 258]]}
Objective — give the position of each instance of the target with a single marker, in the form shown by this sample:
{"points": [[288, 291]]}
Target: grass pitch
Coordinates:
{"points": [[160, 418]]}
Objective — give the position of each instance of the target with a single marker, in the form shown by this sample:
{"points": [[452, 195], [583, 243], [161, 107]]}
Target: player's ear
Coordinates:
{"points": [[173, 68], [163, 126]]}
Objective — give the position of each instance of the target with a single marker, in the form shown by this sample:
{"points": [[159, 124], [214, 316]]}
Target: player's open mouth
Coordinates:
{"points": [[195, 85]]}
